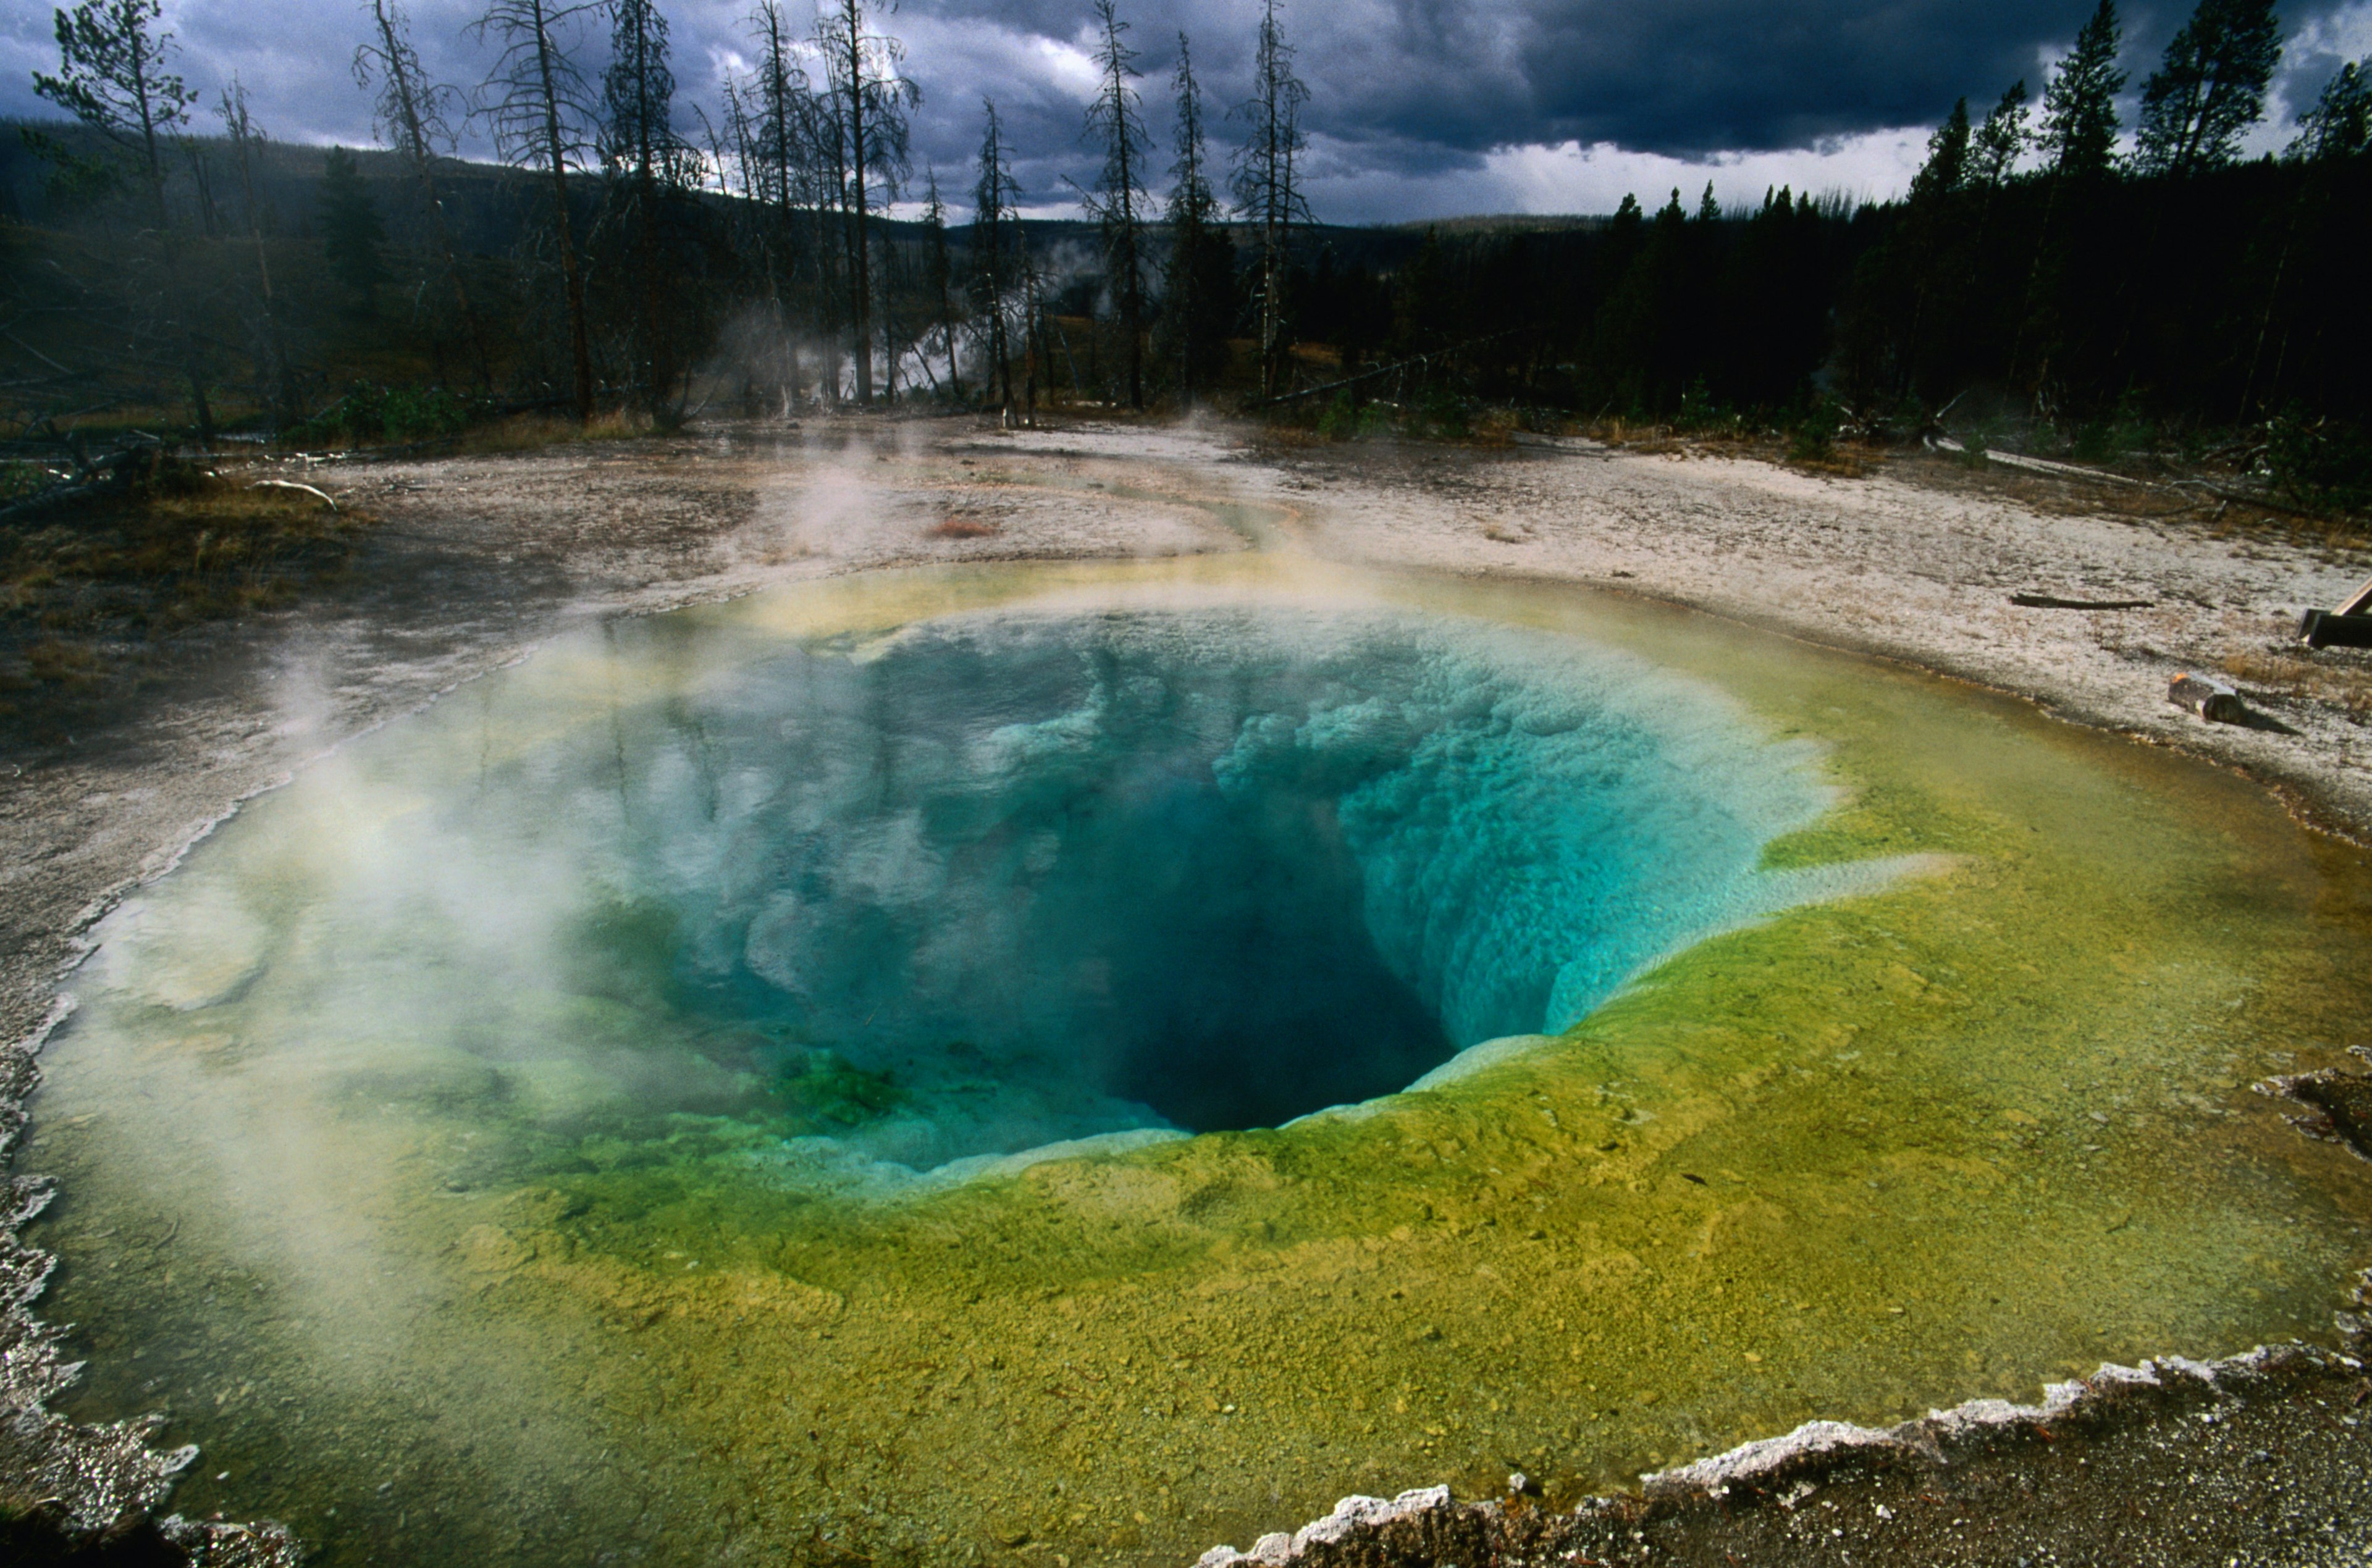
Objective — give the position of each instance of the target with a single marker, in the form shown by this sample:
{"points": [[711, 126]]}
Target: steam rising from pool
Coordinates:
{"points": [[990, 883]]}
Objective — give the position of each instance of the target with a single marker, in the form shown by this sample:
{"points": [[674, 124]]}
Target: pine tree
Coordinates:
{"points": [[1198, 283], [1947, 168], [1925, 266], [2333, 135], [2210, 88], [1996, 146], [1119, 199], [2339, 126], [112, 77], [352, 233], [2079, 108]]}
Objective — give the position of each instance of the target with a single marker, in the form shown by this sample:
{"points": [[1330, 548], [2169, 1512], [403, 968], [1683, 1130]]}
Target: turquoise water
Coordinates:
{"points": [[993, 882]]}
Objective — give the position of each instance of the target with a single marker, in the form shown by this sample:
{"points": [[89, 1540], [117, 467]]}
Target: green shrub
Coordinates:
{"points": [[396, 415], [1340, 420], [1812, 438], [1443, 415], [1700, 411], [2320, 461]]}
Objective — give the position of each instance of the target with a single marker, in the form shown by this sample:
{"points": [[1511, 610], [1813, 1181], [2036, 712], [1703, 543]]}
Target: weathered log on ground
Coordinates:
{"points": [[2046, 601], [2210, 699], [320, 495]]}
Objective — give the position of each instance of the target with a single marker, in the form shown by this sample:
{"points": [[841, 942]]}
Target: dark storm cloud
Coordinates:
{"points": [[1688, 77], [1405, 96], [1680, 77]]}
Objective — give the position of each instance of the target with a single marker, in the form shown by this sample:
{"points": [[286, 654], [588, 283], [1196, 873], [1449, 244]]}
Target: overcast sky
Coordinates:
{"points": [[1417, 110]]}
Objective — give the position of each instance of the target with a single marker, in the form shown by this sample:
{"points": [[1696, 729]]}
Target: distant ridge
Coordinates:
{"points": [[1505, 223]]}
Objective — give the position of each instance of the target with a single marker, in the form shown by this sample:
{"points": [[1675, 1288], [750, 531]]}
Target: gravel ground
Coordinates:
{"points": [[472, 561], [1917, 563]]}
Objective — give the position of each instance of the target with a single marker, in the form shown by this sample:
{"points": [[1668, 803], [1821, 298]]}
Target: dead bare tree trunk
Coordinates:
{"points": [[244, 137], [411, 113], [870, 98], [538, 100]]}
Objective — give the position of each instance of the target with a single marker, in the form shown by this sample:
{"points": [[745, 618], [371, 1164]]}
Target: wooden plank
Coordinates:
{"points": [[2328, 629]]}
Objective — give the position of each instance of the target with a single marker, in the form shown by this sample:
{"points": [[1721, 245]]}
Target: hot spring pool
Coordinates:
{"points": [[1109, 1059]]}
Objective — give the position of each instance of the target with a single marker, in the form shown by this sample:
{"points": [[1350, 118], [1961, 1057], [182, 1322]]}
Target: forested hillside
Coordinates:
{"points": [[171, 268]]}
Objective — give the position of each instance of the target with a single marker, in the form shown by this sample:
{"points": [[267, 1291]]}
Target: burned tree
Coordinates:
{"points": [[247, 141], [1268, 194], [1199, 283], [777, 145], [870, 98], [411, 113], [535, 102], [1119, 200], [995, 256], [941, 280], [639, 147]]}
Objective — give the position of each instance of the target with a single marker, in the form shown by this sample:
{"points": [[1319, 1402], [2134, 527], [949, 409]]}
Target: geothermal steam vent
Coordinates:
{"points": [[1000, 881]]}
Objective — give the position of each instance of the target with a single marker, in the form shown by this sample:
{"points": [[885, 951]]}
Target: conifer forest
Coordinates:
{"points": [[776, 248]]}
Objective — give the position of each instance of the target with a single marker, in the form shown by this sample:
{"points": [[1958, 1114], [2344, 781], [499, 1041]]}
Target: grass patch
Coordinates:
{"points": [[86, 589]]}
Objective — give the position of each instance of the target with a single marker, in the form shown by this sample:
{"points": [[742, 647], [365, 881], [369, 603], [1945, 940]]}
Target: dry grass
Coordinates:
{"points": [[1495, 427], [520, 432], [534, 432], [2337, 679], [86, 592]]}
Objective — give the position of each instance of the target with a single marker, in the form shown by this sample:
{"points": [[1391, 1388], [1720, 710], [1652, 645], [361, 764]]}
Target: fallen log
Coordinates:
{"points": [[2210, 699], [1420, 361], [320, 495], [2065, 471], [2079, 472], [2046, 601]]}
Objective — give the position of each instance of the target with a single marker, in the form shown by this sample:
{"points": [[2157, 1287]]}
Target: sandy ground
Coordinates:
{"points": [[472, 561], [1903, 567]]}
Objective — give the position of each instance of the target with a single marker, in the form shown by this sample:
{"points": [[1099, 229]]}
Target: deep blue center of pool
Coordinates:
{"points": [[1026, 854], [1005, 878]]}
